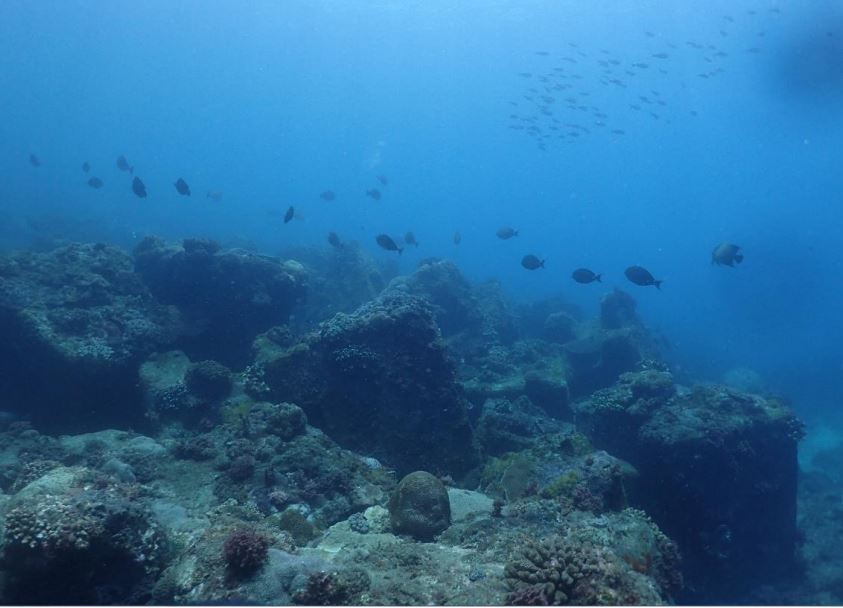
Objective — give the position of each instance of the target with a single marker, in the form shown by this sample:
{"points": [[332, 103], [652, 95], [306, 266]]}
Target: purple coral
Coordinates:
{"points": [[245, 551]]}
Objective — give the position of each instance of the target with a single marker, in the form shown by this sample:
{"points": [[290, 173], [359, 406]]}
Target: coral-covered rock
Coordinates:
{"points": [[559, 327], [244, 552], [209, 380], [510, 426], [379, 381], [420, 506], [72, 319], [233, 295]]}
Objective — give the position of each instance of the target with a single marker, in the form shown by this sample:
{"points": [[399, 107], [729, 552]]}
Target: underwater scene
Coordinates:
{"points": [[380, 302]]}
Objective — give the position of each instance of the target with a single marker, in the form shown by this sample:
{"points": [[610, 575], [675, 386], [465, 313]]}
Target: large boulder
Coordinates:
{"points": [[76, 322], [377, 381], [420, 506], [231, 295]]}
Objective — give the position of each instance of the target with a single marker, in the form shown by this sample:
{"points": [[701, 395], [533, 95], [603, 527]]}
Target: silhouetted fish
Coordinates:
{"points": [[182, 187], [410, 239], [387, 243], [291, 213], [86, 167], [138, 187], [457, 238], [374, 193], [531, 262], [641, 276], [95, 183], [217, 196], [584, 275], [123, 165], [328, 195], [334, 240], [726, 254], [505, 232], [382, 179], [34, 160]]}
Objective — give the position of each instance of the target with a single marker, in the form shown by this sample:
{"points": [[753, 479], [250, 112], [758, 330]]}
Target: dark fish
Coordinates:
{"points": [[217, 196], [584, 275], [506, 233], [726, 254], [374, 193], [291, 212], [96, 183], [457, 238], [531, 262], [660, 55], [382, 178], [182, 187], [34, 161], [641, 276], [123, 165], [410, 239], [328, 195], [387, 243], [334, 240], [138, 188], [86, 167]]}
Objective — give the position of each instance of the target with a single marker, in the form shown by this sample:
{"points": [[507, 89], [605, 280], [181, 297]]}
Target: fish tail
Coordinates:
{"points": [[598, 279], [514, 233], [658, 284], [542, 263]]}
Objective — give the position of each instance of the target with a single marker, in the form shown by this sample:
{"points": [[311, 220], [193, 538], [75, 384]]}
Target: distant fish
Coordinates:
{"points": [[618, 131], [457, 238], [138, 187], [584, 275], [726, 254], [386, 242], [328, 195], [660, 55], [531, 262], [96, 183], [374, 193], [410, 239], [182, 187], [334, 240], [86, 167], [382, 178], [291, 213], [641, 276], [34, 160], [123, 165], [215, 196], [506, 232], [541, 53]]}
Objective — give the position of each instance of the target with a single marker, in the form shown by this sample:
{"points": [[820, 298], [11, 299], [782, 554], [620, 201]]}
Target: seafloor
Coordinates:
{"points": [[189, 424]]}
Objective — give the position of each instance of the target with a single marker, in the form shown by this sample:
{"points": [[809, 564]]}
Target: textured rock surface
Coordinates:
{"points": [[420, 506]]}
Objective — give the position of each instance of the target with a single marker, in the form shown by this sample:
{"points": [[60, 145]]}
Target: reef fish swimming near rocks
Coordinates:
{"points": [[334, 240], [123, 165], [531, 262], [328, 195], [584, 275], [410, 239], [385, 241], [138, 187], [291, 213], [182, 187], [641, 276], [95, 183], [506, 233], [726, 254], [86, 167], [34, 160], [382, 179], [374, 193]]}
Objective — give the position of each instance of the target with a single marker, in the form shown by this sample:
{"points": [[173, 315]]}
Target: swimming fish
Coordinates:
{"points": [[182, 187], [86, 167], [584, 275], [641, 276], [138, 187], [34, 160], [327, 196], [291, 213], [216, 196], [95, 183], [726, 254], [123, 165], [382, 179], [457, 238], [531, 262], [410, 239], [334, 240], [374, 193], [506, 232], [385, 241]]}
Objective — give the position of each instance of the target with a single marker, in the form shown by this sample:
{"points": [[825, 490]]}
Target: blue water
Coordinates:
{"points": [[271, 103]]}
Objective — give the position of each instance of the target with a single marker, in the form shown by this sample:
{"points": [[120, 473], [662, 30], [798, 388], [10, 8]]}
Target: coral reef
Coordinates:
{"points": [[232, 295], [244, 552]]}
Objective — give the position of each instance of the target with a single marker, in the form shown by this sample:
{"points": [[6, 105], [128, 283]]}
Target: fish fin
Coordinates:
{"points": [[658, 284], [542, 263], [597, 278]]}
